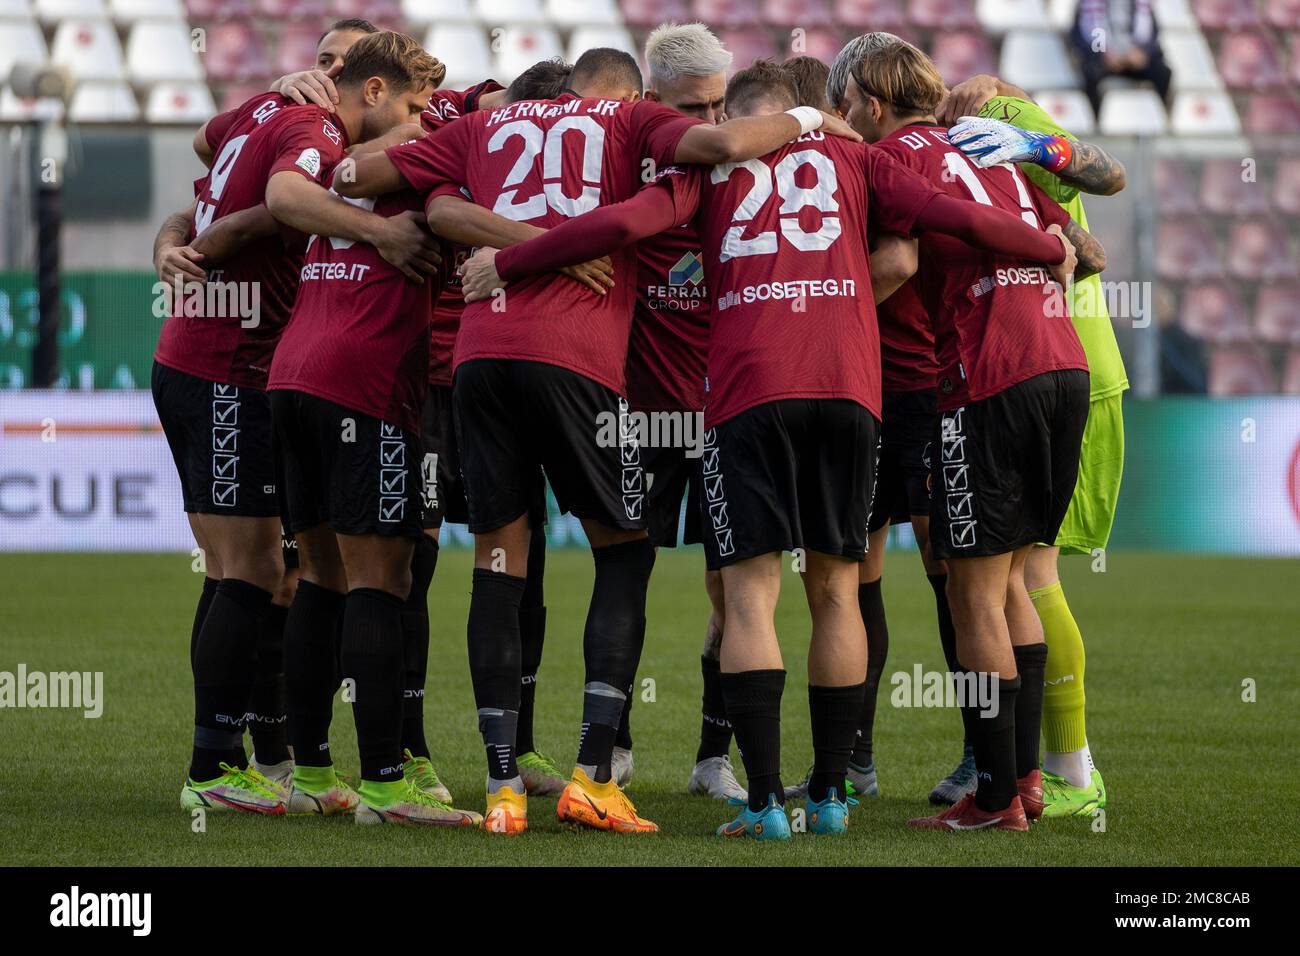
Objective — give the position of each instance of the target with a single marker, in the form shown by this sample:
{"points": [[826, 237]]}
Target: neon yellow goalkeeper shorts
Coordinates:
{"points": [[1101, 466]]}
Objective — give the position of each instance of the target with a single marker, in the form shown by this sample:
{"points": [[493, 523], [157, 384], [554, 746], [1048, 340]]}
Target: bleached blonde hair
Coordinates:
{"points": [[854, 52], [684, 49]]}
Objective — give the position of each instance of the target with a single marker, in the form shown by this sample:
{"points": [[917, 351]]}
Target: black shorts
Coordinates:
{"points": [[903, 470], [346, 469], [221, 441], [442, 491], [1004, 470], [517, 420], [670, 475], [794, 473]]}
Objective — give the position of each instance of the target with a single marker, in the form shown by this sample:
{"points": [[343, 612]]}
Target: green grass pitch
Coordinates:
{"points": [[1195, 774]]}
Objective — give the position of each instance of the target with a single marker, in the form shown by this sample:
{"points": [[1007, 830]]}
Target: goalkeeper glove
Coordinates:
{"points": [[990, 141]]}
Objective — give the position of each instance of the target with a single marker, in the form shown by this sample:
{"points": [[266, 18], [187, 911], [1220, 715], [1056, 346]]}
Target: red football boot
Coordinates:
{"points": [[1030, 787], [964, 815]]}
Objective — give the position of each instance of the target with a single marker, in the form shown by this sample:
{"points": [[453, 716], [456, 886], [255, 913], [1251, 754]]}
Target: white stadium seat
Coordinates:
{"points": [[88, 48], [1135, 112], [576, 13], [1036, 59], [129, 11], [14, 110], [1070, 109], [1173, 15], [421, 13], [514, 12], [999, 16], [1190, 59], [588, 38], [1060, 14], [162, 50], [55, 11], [20, 40], [464, 49], [105, 102], [190, 103], [15, 9], [1205, 113], [521, 47]]}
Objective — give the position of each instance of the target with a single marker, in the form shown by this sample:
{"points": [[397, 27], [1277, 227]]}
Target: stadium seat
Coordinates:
{"points": [[103, 102], [587, 38], [1204, 114], [1249, 61], [1171, 15], [421, 13], [161, 50], [962, 54], [1132, 112], [1286, 185], [789, 14], [15, 10], [1260, 249], [211, 11], [1036, 60], [1190, 59], [943, 14], [727, 13], [650, 13], [56, 11], [20, 41], [823, 43], [464, 48], [1225, 192], [1225, 14], [129, 11], [296, 48], [521, 47], [314, 10], [1185, 250], [89, 49], [236, 94], [235, 52], [866, 15], [1271, 114], [16, 110], [1240, 370], [1070, 109], [1213, 312], [1276, 317], [386, 14], [574, 13], [747, 45], [1283, 14], [1175, 193], [999, 16], [1293, 74], [189, 103], [509, 12]]}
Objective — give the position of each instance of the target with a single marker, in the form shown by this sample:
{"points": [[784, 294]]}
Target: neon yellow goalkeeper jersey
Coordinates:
{"points": [[1086, 302]]}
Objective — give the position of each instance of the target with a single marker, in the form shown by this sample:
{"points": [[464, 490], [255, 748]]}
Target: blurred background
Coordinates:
{"points": [[1199, 98]]}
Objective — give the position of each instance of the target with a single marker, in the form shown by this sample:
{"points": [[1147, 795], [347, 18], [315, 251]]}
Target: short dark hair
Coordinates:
{"points": [[762, 78], [810, 75], [396, 57], [544, 80], [606, 65], [358, 24]]}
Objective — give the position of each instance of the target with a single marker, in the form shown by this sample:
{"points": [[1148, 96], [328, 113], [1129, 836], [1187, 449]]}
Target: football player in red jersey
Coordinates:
{"points": [[1013, 399], [793, 405], [539, 385], [210, 376]]}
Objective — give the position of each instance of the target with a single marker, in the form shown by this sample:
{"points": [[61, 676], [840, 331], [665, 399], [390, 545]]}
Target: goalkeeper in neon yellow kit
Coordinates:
{"points": [[996, 123]]}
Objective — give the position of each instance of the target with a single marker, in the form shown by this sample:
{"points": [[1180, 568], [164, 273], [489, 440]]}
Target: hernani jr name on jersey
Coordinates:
{"points": [[76, 909]]}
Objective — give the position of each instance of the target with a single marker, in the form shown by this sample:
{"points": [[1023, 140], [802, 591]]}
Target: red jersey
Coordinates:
{"points": [[247, 299], [907, 361], [445, 106], [359, 333], [785, 240], [542, 162], [998, 321], [670, 327]]}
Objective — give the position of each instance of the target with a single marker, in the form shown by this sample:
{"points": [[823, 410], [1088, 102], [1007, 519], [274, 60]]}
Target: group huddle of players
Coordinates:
{"points": [[876, 315]]}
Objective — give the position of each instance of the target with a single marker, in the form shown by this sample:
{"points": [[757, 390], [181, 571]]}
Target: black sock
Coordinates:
{"points": [[623, 737], [201, 613], [947, 632], [372, 660], [871, 602], [493, 636], [835, 713], [994, 740], [415, 646], [268, 706], [532, 635], [715, 728], [224, 661], [753, 700], [611, 645], [311, 670], [1031, 665]]}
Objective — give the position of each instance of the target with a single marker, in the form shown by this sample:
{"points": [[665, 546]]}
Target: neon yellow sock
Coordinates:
{"points": [[1063, 697]]}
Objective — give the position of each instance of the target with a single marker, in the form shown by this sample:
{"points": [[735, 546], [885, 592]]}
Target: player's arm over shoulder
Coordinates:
{"points": [[1089, 251], [1091, 169]]}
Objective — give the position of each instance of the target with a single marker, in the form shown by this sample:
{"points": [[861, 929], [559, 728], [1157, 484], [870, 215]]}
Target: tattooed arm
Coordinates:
{"points": [[1094, 171]]}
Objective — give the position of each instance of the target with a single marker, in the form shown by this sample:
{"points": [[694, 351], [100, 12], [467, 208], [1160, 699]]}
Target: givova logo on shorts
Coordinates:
{"points": [[392, 474], [225, 445], [715, 500], [633, 481], [958, 497], [429, 481]]}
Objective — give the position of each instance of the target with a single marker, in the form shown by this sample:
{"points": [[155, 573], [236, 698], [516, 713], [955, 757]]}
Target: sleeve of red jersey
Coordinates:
{"points": [[434, 161], [216, 128], [1049, 210], [308, 144], [658, 130], [897, 193]]}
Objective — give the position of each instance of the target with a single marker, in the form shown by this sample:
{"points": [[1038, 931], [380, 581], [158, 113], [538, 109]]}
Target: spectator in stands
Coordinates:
{"points": [[1119, 38]]}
